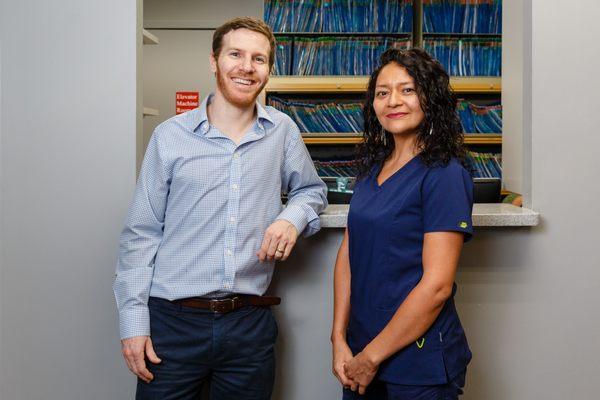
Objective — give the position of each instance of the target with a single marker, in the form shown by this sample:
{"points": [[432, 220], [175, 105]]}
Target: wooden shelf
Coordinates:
{"points": [[150, 111], [149, 38], [329, 138], [476, 84], [333, 134], [355, 138], [358, 84], [483, 138], [462, 35], [317, 84]]}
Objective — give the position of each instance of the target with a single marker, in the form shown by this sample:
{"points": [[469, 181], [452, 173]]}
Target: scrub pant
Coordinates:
{"points": [[233, 352], [379, 390]]}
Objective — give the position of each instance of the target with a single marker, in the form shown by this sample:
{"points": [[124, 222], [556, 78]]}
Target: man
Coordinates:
{"points": [[205, 227]]}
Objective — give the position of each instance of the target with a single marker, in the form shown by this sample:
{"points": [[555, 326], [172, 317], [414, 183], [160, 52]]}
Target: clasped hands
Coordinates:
{"points": [[353, 372]]}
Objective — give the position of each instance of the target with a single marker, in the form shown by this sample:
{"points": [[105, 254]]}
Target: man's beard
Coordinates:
{"points": [[248, 98]]}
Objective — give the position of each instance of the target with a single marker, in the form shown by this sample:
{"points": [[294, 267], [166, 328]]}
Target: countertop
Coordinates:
{"points": [[484, 214]]}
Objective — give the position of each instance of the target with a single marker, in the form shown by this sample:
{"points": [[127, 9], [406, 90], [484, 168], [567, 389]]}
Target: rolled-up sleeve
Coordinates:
{"points": [[307, 193], [139, 242]]}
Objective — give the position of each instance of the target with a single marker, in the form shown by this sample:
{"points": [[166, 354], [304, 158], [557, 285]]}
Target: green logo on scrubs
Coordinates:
{"points": [[420, 345], [463, 225]]}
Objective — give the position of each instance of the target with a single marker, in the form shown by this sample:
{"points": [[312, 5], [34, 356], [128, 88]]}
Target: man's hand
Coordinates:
{"points": [[280, 238], [135, 350], [361, 371], [341, 355]]}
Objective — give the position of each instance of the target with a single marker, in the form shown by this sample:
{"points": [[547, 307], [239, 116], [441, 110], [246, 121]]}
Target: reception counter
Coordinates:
{"points": [[497, 214]]}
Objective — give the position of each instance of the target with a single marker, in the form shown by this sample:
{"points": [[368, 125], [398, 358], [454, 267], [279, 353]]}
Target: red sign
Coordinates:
{"points": [[186, 101]]}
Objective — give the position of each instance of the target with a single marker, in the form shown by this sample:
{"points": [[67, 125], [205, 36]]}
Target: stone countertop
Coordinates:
{"points": [[484, 214]]}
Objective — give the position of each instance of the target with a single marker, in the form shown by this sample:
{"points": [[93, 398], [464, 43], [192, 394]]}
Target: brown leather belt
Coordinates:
{"points": [[228, 304]]}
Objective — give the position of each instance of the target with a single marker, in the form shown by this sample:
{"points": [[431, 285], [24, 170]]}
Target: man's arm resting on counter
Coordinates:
{"points": [[307, 197]]}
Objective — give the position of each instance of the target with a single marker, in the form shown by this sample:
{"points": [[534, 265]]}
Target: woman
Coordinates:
{"points": [[396, 334]]}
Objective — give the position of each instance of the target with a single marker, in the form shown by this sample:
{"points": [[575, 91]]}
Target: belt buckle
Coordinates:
{"points": [[223, 306]]}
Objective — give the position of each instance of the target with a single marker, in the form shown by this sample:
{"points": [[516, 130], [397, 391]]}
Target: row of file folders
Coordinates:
{"points": [[440, 16], [482, 165], [339, 15], [331, 55], [462, 16], [467, 56], [347, 117]]}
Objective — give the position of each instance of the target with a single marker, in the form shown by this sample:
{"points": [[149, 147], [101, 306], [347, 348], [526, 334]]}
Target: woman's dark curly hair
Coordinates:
{"points": [[438, 103]]}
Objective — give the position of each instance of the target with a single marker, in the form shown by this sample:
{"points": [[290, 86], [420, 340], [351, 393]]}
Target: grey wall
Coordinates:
{"points": [[1, 186], [197, 13], [513, 29], [178, 63], [529, 298], [67, 156]]}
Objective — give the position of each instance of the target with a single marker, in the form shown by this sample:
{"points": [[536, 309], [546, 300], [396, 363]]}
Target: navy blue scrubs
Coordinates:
{"points": [[386, 227]]}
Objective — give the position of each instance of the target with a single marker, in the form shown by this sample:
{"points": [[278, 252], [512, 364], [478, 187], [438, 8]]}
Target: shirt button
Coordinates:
{"points": [[234, 186], [229, 252], [236, 155], [232, 220]]}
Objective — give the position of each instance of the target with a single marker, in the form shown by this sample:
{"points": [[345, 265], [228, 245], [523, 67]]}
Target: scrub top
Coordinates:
{"points": [[386, 227]]}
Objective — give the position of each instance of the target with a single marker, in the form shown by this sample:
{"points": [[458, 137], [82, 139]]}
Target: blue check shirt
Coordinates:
{"points": [[201, 207]]}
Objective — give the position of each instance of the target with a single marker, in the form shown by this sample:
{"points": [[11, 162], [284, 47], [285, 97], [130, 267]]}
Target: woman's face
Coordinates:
{"points": [[396, 101]]}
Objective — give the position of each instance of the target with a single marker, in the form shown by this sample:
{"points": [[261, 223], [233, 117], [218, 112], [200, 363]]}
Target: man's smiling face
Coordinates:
{"points": [[242, 67]]}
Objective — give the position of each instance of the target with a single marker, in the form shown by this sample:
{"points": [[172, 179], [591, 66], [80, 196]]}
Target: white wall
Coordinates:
{"points": [[205, 14], [529, 298], [512, 94], [1, 186], [565, 171], [67, 157], [178, 63]]}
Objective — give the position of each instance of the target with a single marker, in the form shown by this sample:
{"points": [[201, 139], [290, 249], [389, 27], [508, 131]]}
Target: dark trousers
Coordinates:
{"points": [[233, 352], [379, 390]]}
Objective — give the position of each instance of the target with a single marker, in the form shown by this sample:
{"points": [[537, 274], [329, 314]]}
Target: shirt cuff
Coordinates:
{"points": [[296, 216], [134, 322], [467, 229], [306, 225]]}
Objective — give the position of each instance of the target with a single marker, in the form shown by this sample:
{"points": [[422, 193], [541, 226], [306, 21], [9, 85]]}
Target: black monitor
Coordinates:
{"points": [[339, 189], [487, 190]]}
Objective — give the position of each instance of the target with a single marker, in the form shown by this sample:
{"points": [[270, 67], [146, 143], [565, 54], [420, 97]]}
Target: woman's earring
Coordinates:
{"points": [[431, 130], [383, 136]]}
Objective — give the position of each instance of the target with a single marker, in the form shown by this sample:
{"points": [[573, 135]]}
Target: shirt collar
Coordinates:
{"points": [[262, 115], [200, 123]]}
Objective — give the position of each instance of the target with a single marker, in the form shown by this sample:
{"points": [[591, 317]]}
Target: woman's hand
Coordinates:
{"points": [[341, 355], [360, 370]]}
